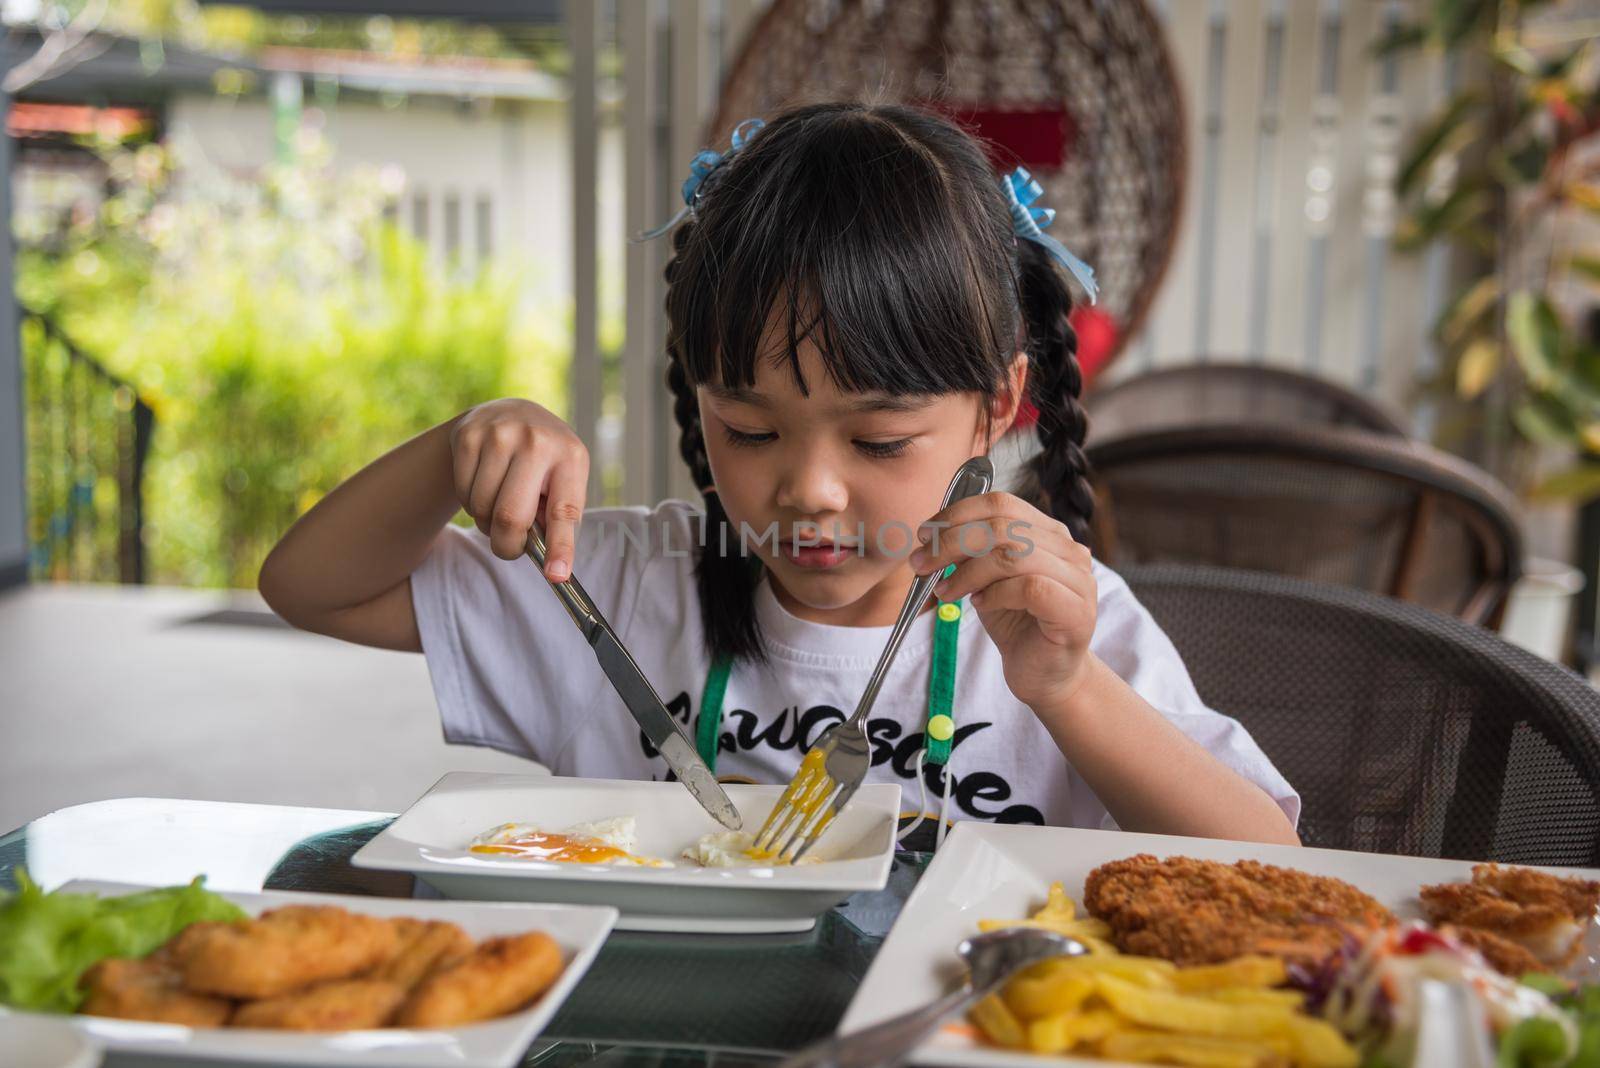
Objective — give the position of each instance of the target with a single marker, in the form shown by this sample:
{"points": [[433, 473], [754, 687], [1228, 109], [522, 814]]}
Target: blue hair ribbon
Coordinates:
{"points": [[705, 162], [1027, 223], [1021, 191]]}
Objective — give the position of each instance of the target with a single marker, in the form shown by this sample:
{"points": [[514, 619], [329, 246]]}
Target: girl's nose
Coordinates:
{"points": [[810, 487]]}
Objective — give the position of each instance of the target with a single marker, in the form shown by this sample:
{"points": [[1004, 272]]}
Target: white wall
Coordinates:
{"points": [[511, 155]]}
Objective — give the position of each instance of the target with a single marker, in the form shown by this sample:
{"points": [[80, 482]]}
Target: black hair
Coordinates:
{"points": [[880, 232]]}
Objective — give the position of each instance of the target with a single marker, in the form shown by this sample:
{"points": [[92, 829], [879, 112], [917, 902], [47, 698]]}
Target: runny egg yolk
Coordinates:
{"points": [[539, 845]]}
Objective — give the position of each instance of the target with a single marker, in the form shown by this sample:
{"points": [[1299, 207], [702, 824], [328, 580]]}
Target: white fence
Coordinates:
{"points": [[1296, 134]]}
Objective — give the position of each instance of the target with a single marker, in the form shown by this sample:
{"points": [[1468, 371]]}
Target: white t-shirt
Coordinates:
{"points": [[510, 671]]}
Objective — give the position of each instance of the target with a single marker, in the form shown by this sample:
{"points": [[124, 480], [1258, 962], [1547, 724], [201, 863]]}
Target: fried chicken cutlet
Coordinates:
{"points": [[425, 946], [344, 1005], [1503, 955], [284, 950], [1544, 914], [149, 989], [501, 975], [1203, 911]]}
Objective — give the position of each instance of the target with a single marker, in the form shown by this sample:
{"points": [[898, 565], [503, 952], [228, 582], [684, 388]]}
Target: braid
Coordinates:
{"points": [[691, 439], [722, 574], [1060, 471]]}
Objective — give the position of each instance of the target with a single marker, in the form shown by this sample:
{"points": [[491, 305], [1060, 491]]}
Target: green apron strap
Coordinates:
{"points": [[709, 727], [941, 725], [940, 728]]}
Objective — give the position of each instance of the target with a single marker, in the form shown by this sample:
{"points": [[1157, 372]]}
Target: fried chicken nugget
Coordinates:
{"points": [[149, 989], [500, 976], [1203, 911], [1544, 914], [343, 1005], [425, 945], [282, 951]]}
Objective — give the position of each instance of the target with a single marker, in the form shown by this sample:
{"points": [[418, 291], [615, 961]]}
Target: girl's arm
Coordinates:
{"points": [[344, 568], [1148, 773], [1036, 593]]}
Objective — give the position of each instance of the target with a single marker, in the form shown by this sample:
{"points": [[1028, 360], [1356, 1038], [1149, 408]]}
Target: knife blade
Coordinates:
{"points": [[662, 730], [641, 699]]}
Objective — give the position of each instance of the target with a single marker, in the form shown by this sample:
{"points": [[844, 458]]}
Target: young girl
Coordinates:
{"points": [[857, 304]]}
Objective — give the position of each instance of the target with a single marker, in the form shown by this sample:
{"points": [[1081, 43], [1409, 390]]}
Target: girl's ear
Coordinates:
{"points": [[1005, 405]]}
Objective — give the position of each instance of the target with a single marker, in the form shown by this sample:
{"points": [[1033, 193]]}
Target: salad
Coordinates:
{"points": [[1372, 990]]}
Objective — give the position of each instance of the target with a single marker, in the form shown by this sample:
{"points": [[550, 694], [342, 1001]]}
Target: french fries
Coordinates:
{"points": [[1294, 999], [998, 1023], [1062, 1031], [1183, 1012], [1239, 972], [1144, 1010], [1048, 995], [1061, 916], [1204, 1052]]}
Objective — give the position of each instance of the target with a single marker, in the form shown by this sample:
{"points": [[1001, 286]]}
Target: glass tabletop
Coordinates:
{"points": [[659, 999]]}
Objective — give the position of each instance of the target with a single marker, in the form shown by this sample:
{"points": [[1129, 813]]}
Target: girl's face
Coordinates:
{"points": [[855, 472]]}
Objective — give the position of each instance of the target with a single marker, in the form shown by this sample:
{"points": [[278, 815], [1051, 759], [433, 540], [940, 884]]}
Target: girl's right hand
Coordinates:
{"points": [[515, 462]]}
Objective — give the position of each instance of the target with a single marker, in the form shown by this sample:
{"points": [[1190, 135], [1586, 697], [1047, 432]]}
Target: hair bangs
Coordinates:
{"points": [[841, 235]]}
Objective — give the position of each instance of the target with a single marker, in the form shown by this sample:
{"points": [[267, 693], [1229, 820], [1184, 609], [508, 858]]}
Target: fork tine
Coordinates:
{"points": [[824, 819], [802, 797], [813, 820], [802, 807], [794, 819], [778, 831], [784, 810]]}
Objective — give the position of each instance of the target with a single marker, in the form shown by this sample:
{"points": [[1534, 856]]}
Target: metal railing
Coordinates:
{"points": [[88, 435]]}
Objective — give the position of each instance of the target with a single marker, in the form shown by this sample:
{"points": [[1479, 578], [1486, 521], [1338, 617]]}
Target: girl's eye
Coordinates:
{"points": [[747, 441], [883, 449]]}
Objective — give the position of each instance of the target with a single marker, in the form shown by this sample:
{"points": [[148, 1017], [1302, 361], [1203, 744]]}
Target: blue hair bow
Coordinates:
{"points": [[1027, 222], [700, 168]]}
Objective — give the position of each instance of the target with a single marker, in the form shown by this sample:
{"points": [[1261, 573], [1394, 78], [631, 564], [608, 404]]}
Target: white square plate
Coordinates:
{"points": [[579, 930], [430, 840], [991, 871]]}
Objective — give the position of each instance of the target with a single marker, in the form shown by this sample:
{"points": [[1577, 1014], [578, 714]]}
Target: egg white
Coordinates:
{"points": [[618, 832], [729, 849]]}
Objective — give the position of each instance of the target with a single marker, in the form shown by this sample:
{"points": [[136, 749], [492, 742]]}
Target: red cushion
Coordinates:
{"points": [[1097, 339], [1038, 138]]}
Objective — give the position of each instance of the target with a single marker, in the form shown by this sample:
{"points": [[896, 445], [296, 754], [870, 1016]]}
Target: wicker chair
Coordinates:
{"points": [[1405, 731], [1230, 393], [1081, 92], [1345, 507]]}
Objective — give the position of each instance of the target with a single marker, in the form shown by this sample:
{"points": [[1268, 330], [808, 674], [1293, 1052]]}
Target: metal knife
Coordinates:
{"points": [[637, 693]]}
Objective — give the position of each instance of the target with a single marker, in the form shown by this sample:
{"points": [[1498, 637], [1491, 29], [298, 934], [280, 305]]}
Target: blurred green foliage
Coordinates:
{"points": [[1506, 174], [285, 333], [244, 29]]}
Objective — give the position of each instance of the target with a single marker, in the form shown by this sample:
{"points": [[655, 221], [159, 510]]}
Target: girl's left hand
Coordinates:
{"points": [[1034, 589]]}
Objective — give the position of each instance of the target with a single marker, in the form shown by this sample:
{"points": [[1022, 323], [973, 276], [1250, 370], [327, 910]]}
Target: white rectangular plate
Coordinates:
{"points": [[430, 840], [579, 930], [989, 871]]}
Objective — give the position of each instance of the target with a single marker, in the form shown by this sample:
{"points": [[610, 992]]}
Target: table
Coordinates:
{"points": [[670, 1001]]}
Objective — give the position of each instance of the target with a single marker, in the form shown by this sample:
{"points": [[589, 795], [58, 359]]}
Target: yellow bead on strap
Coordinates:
{"points": [[950, 611], [941, 728]]}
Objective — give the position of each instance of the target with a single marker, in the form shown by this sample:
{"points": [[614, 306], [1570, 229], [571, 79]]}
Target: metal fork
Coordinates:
{"points": [[834, 767]]}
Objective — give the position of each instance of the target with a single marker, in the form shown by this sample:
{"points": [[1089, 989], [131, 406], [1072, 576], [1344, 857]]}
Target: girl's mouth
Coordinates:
{"points": [[824, 555]]}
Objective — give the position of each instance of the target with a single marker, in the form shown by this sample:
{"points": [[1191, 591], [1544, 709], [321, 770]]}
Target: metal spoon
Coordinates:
{"points": [[991, 959]]}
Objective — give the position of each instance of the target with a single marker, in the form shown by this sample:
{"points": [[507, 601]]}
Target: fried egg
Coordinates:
{"points": [[608, 841], [732, 849]]}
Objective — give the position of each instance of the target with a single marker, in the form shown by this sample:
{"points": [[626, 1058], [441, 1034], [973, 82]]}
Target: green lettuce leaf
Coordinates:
{"points": [[47, 941]]}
